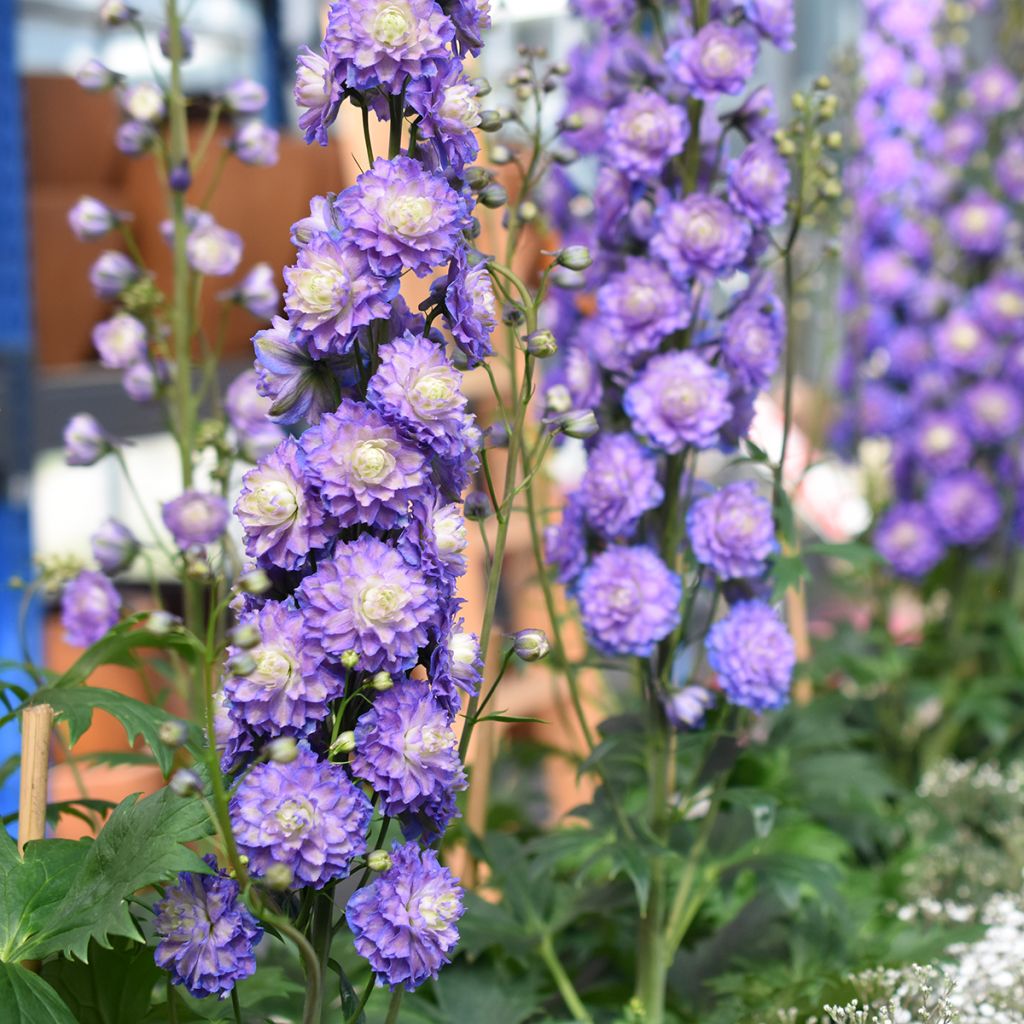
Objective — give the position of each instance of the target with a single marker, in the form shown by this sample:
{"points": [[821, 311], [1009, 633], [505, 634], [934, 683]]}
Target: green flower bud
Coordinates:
{"points": [[531, 644], [541, 344], [173, 733], [344, 744], [575, 257], [282, 750], [245, 636], [378, 860], [382, 681], [278, 877], [349, 659]]}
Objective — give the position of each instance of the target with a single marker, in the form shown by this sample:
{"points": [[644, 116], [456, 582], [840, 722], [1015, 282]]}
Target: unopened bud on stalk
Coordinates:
{"points": [[160, 622], [282, 750], [382, 681], [787, 147], [823, 83], [834, 140], [278, 877], [349, 659], [116, 12], [493, 196], [490, 120], [541, 344], [531, 644], [173, 733], [557, 400], [185, 782], [255, 582], [477, 505], [524, 92], [478, 177], [832, 188], [575, 257], [528, 211], [496, 435], [501, 155], [482, 87], [379, 860], [580, 424], [245, 636], [242, 664], [512, 316], [344, 744], [180, 178]]}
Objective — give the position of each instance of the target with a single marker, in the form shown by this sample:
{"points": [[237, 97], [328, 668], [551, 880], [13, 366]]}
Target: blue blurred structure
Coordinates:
{"points": [[15, 380]]}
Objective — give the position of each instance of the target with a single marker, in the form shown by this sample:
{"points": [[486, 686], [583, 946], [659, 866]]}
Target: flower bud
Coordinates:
{"points": [[134, 138], [245, 636], [255, 582], [575, 257], [799, 101], [823, 83], [344, 744], [493, 196], [144, 102], [197, 565], [528, 211], [564, 155], [93, 76], [278, 877], [579, 423], [477, 505], [478, 177], [573, 122], [349, 659], [557, 400], [382, 681], [282, 750], [523, 92], [90, 219], [85, 441], [116, 12], [531, 644], [241, 664], [112, 273], [501, 155], [245, 96], [180, 178], [832, 188], [787, 147], [173, 733], [490, 121], [482, 87], [378, 860], [541, 344], [185, 782], [496, 435], [160, 622], [188, 43], [114, 547], [834, 140], [512, 316]]}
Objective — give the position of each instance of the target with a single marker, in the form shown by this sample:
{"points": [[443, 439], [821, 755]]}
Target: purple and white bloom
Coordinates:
{"points": [[718, 60], [258, 291], [114, 547], [644, 133], [213, 250], [140, 381], [120, 341], [113, 272], [307, 815], [565, 544], [368, 599], [207, 934], [85, 441], [418, 390], [471, 19], [753, 655], [144, 102], [613, 13], [965, 507], [404, 921], [759, 183], [994, 90], [255, 143], [978, 225], [470, 307], [90, 219], [906, 538], [332, 290], [992, 411], [188, 42], [752, 345], [701, 234], [456, 664], [774, 19], [116, 12], [449, 114], [620, 485], [317, 93], [290, 685], [407, 750], [629, 601], [233, 739], [247, 410], [195, 518], [93, 76], [999, 304], [962, 342], [941, 442], [365, 470], [403, 217], [450, 537], [299, 385], [245, 96], [90, 607], [732, 531], [280, 513], [679, 400], [1009, 170], [687, 708], [386, 43]]}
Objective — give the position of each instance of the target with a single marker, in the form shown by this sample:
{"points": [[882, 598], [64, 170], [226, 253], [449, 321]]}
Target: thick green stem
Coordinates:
{"points": [[323, 933], [395, 1006], [566, 989]]}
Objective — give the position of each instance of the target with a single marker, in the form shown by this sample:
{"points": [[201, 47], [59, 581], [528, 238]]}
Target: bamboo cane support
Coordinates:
{"points": [[36, 726]]}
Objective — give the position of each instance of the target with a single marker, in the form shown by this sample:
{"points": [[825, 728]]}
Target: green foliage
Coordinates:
{"points": [[26, 999]]}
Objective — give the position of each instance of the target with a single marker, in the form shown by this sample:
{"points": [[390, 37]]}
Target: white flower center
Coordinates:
{"points": [[372, 461], [382, 602], [460, 104], [965, 337], [719, 58], [641, 302], [978, 219], [465, 652], [322, 287], [276, 502], [1009, 304], [433, 393], [643, 129], [393, 24], [294, 816], [420, 742], [438, 911], [450, 534], [409, 216], [312, 87], [939, 439], [275, 669]]}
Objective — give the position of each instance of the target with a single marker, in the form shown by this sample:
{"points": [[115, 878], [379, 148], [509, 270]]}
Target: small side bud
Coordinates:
{"points": [[493, 196], [490, 120], [557, 400], [349, 659], [382, 681], [501, 155], [243, 664], [282, 750], [541, 344], [278, 877], [477, 505], [173, 733], [531, 644], [579, 423], [379, 860], [512, 316], [575, 257], [528, 211], [478, 177], [245, 637], [344, 744], [185, 782], [255, 582]]}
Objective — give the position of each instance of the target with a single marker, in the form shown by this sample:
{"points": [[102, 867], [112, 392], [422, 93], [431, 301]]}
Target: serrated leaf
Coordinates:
{"points": [[788, 571], [75, 707], [64, 893], [26, 999]]}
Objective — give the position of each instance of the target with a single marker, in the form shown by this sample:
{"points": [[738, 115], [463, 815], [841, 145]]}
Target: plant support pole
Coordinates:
{"points": [[36, 725]]}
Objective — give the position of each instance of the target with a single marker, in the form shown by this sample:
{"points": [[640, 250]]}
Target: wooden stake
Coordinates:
{"points": [[36, 726]]}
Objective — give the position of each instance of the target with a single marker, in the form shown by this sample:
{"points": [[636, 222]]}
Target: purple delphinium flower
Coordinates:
{"points": [[999, 303], [620, 485], [470, 307], [565, 544], [613, 13], [307, 815], [90, 607], [418, 390], [317, 93], [114, 547], [456, 665], [368, 599], [752, 345], [962, 342], [449, 114], [289, 686], [233, 739], [94, 76], [141, 381], [732, 531], [365, 471], [941, 442], [753, 655], [406, 749], [258, 292], [133, 138], [195, 518], [688, 707], [471, 19], [965, 507], [641, 306], [213, 251], [382, 43], [332, 290], [994, 90], [282, 518], [978, 224], [679, 400], [113, 272], [120, 341], [256, 143], [144, 102], [992, 411], [629, 601], [85, 441], [207, 934], [644, 133], [718, 60], [403, 217], [701, 234], [1009, 170], [90, 219], [905, 537], [774, 19], [759, 183], [246, 96], [404, 921]]}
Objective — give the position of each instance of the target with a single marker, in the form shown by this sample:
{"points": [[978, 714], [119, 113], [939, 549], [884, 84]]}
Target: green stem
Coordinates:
{"points": [[363, 1000], [323, 913], [566, 989], [395, 1006]]}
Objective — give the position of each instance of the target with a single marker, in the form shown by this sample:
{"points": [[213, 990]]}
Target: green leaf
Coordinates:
{"points": [[75, 706], [26, 999], [788, 572], [861, 556], [499, 716], [63, 893], [114, 987]]}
